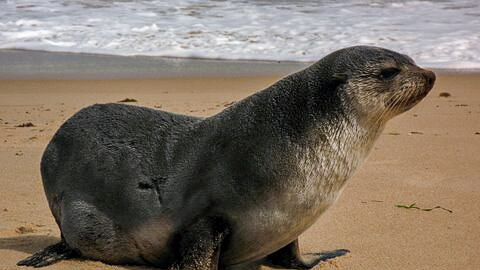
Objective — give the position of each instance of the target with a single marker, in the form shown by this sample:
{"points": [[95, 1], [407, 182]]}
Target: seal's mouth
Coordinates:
{"points": [[408, 99], [429, 78], [415, 99]]}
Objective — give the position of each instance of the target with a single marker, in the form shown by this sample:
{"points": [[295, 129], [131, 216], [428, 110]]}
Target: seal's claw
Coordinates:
{"points": [[49, 255]]}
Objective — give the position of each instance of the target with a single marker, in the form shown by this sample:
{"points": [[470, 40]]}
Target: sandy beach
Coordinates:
{"points": [[428, 156]]}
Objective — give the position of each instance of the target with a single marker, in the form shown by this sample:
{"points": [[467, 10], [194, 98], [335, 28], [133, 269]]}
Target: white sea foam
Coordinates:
{"points": [[435, 33]]}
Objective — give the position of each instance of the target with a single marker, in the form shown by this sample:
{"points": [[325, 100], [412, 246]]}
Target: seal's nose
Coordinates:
{"points": [[429, 78]]}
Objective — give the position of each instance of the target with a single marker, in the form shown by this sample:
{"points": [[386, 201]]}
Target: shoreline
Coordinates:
{"points": [[45, 65], [19, 64]]}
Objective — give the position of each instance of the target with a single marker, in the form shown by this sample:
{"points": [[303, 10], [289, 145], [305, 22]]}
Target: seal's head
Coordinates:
{"points": [[380, 83]]}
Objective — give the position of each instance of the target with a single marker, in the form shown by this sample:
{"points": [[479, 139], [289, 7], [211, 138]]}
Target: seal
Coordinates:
{"points": [[132, 185]]}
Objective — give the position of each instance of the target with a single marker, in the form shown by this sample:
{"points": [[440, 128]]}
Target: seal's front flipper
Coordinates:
{"points": [[200, 245], [289, 257], [51, 254]]}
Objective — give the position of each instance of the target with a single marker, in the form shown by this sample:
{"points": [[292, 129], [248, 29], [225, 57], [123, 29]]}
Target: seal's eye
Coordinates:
{"points": [[389, 73]]}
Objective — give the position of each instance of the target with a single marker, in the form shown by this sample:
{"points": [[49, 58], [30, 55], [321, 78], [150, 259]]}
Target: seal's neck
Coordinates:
{"points": [[317, 125], [311, 123], [333, 152], [338, 141]]}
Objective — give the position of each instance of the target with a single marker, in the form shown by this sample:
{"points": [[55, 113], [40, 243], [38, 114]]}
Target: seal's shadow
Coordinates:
{"points": [[28, 243], [32, 243]]}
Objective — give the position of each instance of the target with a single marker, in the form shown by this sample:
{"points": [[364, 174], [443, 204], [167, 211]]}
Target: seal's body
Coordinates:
{"points": [[134, 185]]}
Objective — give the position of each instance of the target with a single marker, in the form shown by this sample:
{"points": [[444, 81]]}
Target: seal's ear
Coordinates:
{"points": [[339, 78]]}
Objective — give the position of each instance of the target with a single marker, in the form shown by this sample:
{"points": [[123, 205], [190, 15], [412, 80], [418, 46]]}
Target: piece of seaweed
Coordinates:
{"points": [[414, 206]]}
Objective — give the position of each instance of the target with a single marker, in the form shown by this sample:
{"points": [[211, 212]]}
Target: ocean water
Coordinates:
{"points": [[439, 34]]}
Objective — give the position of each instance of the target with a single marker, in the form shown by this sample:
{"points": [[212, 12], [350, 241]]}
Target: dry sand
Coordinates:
{"points": [[429, 156]]}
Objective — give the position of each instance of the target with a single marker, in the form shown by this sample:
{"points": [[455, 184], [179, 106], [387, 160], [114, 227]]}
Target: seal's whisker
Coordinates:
{"points": [[393, 103], [386, 110]]}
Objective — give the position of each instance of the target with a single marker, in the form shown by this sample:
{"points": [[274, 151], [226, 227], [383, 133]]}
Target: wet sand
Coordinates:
{"points": [[428, 156]]}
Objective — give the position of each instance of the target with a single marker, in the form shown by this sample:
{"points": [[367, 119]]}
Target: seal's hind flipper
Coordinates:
{"points": [[289, 257], [51, 254]]}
